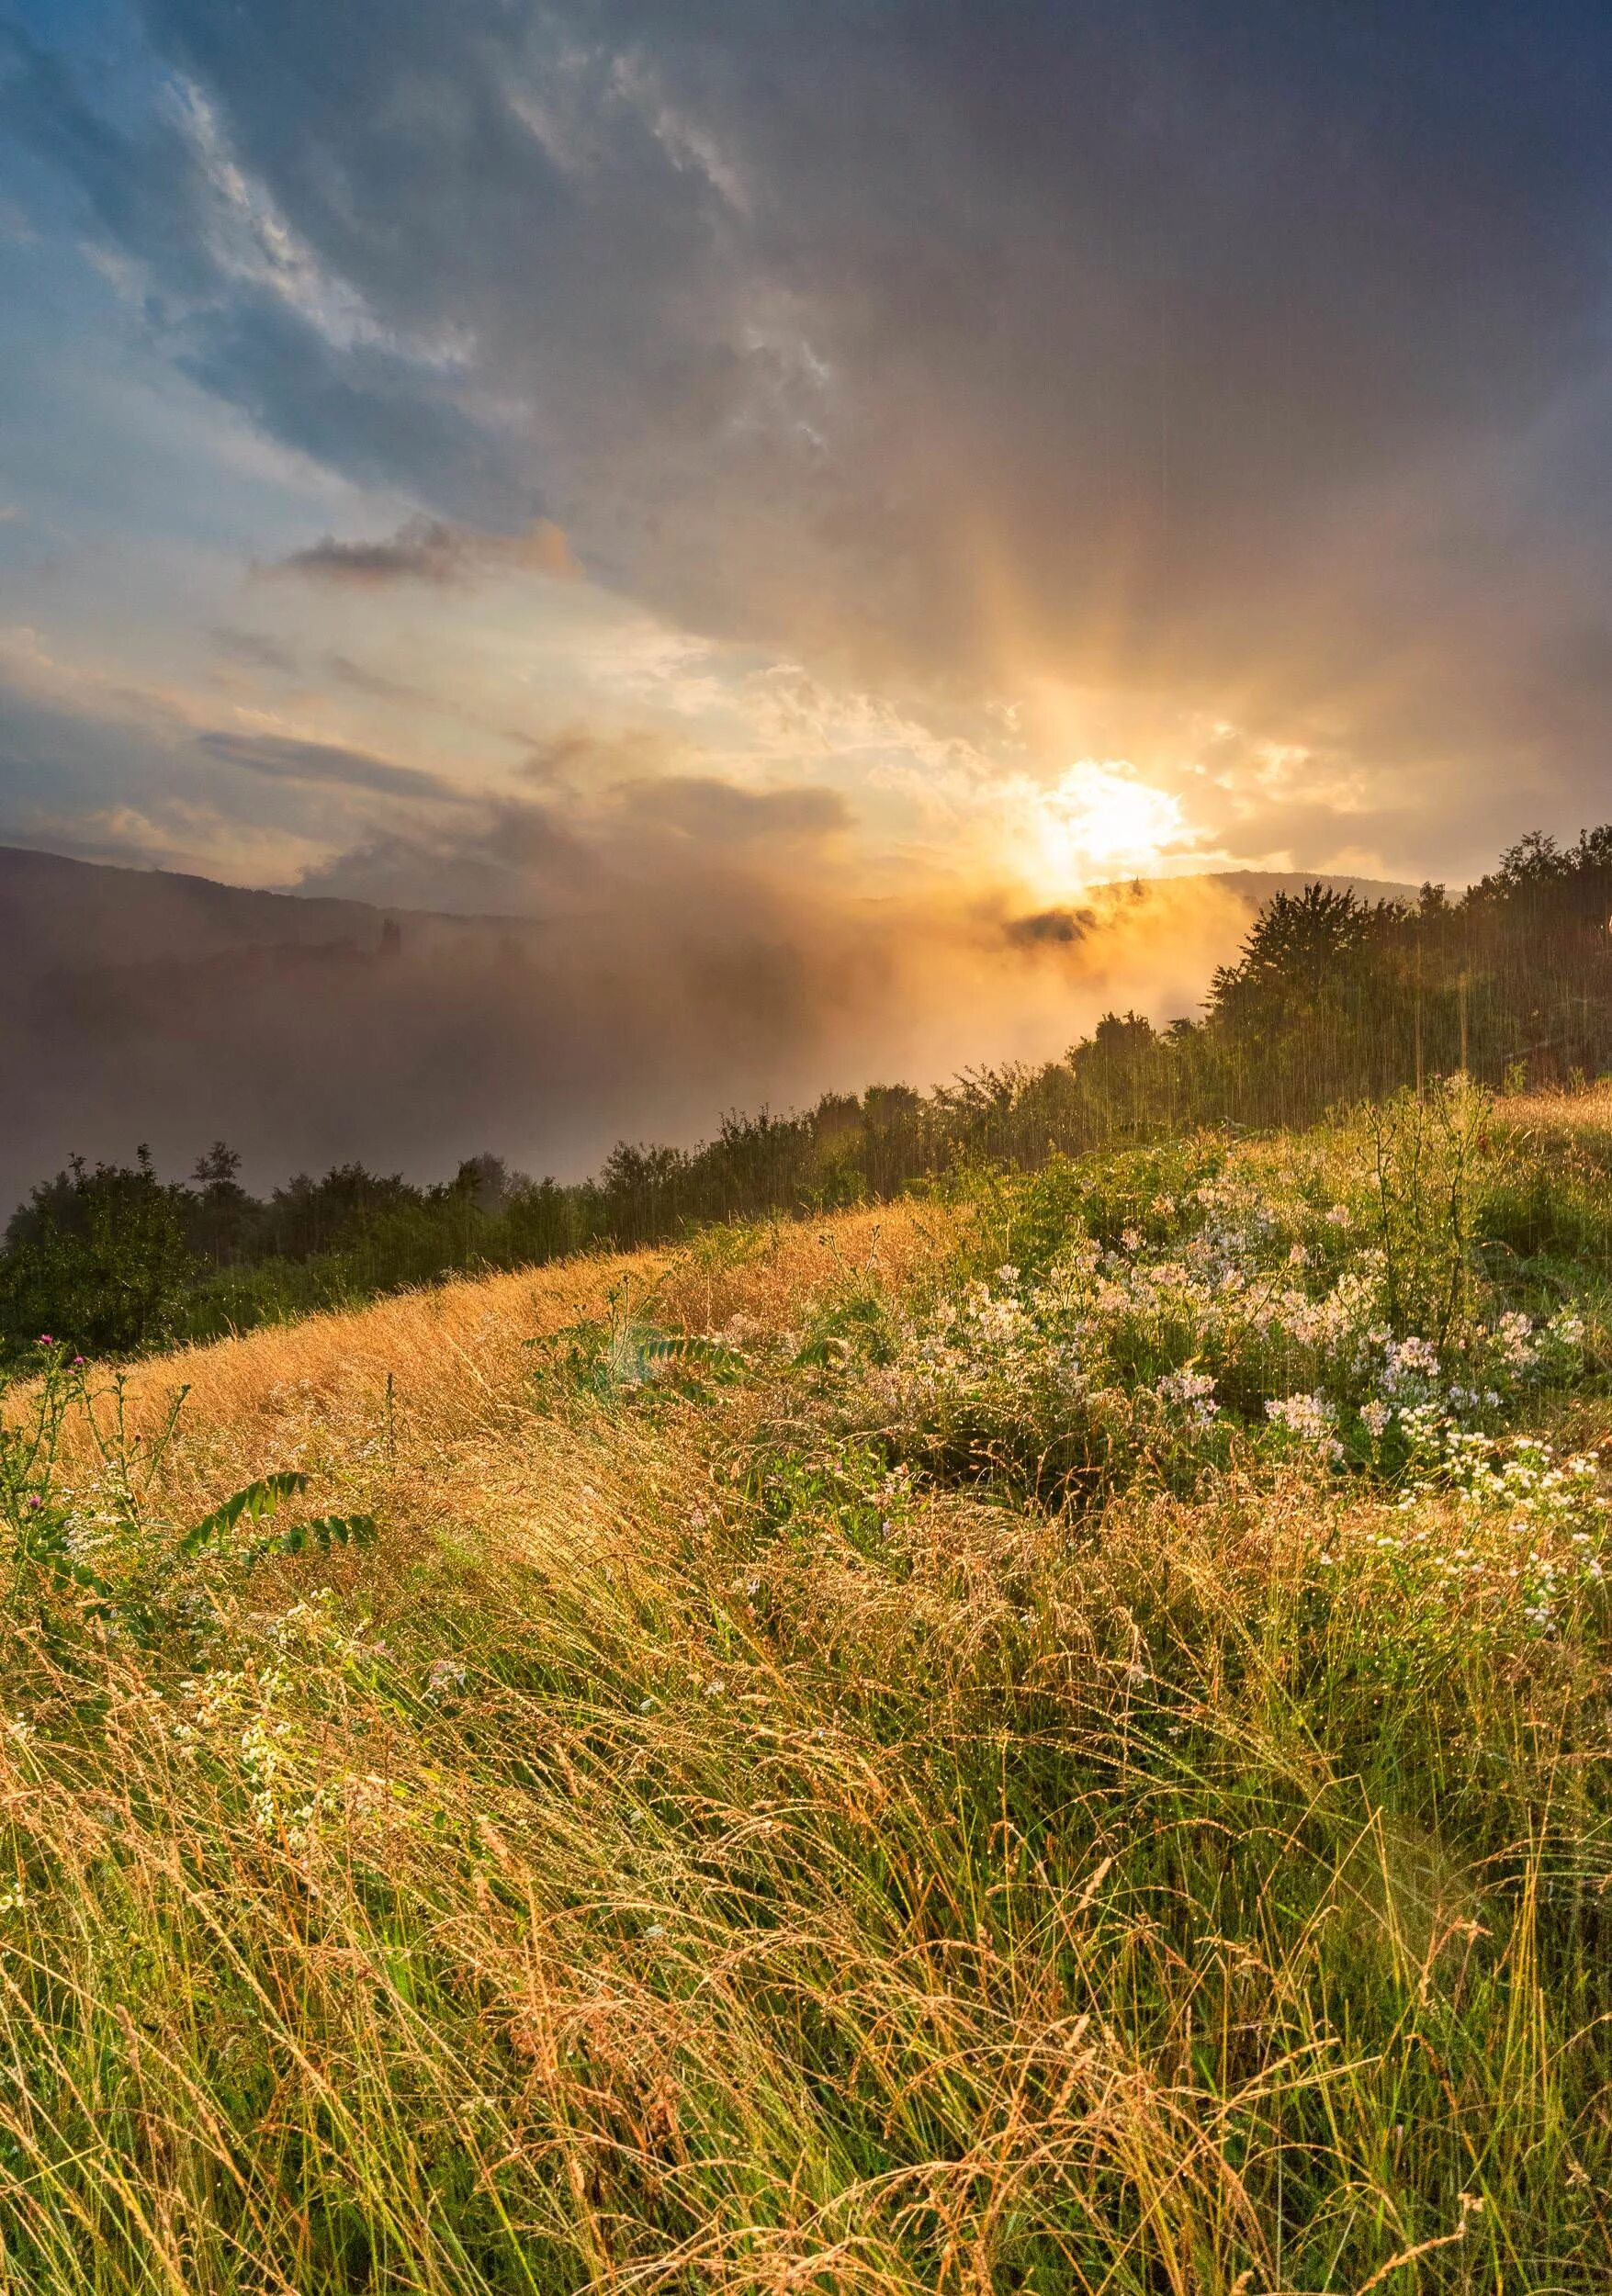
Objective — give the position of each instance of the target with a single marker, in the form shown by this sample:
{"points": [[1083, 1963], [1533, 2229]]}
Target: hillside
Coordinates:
{"points": [[1048, 1740], [1333, 1000]]}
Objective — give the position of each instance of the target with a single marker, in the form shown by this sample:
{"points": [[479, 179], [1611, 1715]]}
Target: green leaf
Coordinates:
{"points": [[258, 1501], [325, 1531]]}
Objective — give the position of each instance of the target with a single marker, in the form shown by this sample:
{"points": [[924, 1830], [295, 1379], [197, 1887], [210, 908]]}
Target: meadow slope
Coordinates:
{"points": [[1052, 1740]]}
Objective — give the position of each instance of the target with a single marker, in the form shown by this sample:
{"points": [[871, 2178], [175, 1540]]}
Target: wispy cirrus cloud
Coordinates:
{"points": [[329, 765]]}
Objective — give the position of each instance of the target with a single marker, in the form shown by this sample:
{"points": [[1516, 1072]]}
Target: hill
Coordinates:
{"points": [[1051, 1741], [1331, 1000]]}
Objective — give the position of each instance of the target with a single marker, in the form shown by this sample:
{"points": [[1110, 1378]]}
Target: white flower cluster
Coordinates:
{"points": [[1309, 1418], [1192, 1392], [1496, 1521], [1247, 1294]]}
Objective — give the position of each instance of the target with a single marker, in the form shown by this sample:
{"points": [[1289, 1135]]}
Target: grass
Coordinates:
{"points": [[867, 1759]]}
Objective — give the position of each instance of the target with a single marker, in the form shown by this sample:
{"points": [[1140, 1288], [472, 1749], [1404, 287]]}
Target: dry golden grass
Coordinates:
{"points": [[682, 1856], [315, 1393], [1543, 1119]]}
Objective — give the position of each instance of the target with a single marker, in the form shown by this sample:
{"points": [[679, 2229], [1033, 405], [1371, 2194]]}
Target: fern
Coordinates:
{"points": [[325, 1531], [252, 1505]]}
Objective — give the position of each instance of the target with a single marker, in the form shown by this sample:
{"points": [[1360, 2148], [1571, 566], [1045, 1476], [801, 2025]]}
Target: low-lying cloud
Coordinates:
{"points": [[624, 982]]}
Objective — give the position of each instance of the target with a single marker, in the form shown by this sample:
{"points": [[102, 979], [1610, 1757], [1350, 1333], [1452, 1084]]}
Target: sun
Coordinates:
{"points": [[1097, 820]]}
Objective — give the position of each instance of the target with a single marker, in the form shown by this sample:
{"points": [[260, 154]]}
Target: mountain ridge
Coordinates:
{"points": [[160, 902]]}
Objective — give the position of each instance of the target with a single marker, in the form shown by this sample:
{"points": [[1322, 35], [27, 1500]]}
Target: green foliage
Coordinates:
{"points": [[97, 1257], [321, 1532], [620, 1356], [258, 1501], [854, 1326]]}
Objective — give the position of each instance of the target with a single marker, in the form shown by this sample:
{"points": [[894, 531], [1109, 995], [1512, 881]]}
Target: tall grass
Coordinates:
{"points": [[868, 1758]]}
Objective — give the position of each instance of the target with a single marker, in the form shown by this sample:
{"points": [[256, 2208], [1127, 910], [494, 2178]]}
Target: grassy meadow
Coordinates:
{"points": [[1053, 1737]]}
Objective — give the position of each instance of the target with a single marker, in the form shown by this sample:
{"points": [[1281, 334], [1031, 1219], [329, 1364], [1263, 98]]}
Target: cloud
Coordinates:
{"points": [[603, 859], [1100, 375], [1058, 926], [256, 651], [326, 763], [431, 550], [512, 860], [365, 409], [714, 812], [1127, 356]]}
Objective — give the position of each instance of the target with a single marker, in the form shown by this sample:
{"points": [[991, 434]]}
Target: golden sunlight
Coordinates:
{"points": [[1096, 820]]}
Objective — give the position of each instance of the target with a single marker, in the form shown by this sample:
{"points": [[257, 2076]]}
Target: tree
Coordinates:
{"points": [[98, 1259]]}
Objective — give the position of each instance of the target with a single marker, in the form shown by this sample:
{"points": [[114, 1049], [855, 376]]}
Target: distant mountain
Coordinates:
{"points": [[59, 916], [142, 1004], [62, 916], [1259, 885]]}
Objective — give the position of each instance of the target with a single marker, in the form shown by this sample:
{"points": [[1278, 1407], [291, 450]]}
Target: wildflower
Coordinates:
{"points": [[1306, 1415], [1193, 1391], [1309, 1417]]}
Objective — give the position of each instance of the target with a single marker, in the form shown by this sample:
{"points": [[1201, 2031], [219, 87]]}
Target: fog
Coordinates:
{"points": [[147, 1007]]}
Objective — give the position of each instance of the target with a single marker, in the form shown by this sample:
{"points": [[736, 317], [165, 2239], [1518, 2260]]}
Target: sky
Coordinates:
{"points": [[866, 471]]}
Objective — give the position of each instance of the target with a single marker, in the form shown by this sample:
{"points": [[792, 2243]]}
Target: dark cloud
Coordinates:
{"points": [[324, 762], [715, 812], [430, 550]]}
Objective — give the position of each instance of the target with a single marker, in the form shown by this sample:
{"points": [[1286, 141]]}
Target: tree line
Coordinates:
{"points": [[1331, 1000]]}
